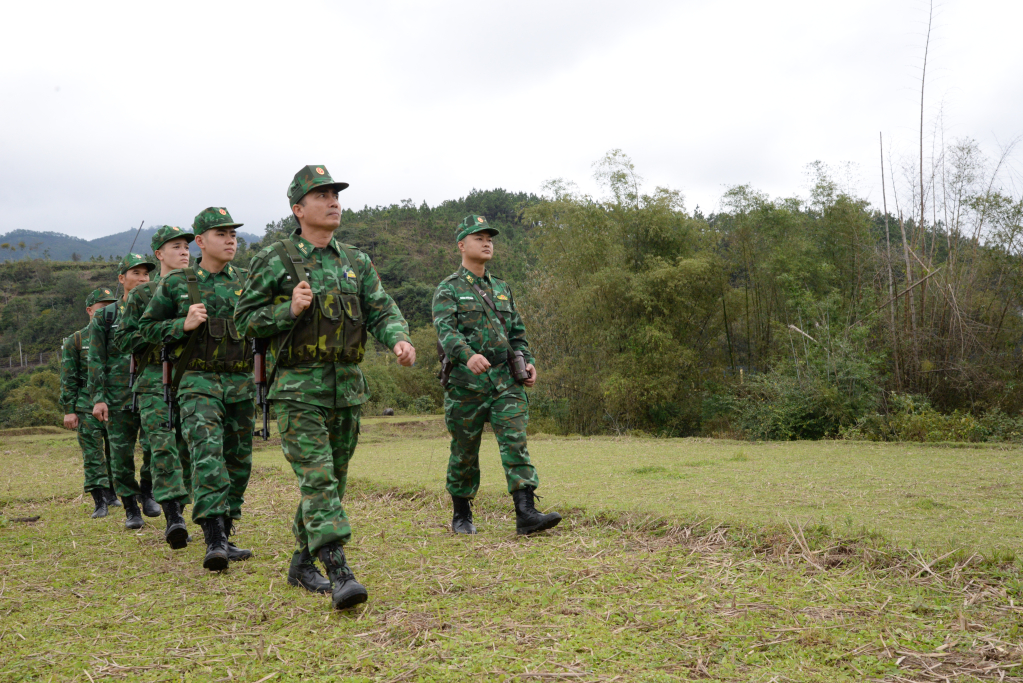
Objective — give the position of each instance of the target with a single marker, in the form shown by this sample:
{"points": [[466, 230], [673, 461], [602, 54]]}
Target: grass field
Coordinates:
{"points": [[678, 560]]}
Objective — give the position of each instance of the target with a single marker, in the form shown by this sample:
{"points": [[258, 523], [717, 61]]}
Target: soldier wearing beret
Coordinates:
{"points": [[171, 466], [77, 406], [480, 331], [192, 311], [112, 400], [316, 299]]}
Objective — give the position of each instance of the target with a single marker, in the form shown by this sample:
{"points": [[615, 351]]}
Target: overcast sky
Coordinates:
{"points": [[111, 113]]}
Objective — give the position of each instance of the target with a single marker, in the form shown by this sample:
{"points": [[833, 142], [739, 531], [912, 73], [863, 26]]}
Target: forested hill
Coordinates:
{"points": [[55, 246]]}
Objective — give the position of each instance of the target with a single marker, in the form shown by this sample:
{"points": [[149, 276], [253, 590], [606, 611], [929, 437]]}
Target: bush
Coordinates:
{"points": [[913, 418]]}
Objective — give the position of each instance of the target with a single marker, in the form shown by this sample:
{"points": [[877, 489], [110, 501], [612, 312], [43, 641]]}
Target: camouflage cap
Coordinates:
{"points": [[131, 261], [472, 224], [213, 217], [308, 178], [98, 295], [168, 233]]}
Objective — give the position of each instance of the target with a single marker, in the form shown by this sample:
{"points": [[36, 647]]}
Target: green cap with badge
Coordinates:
{"points": [[133, 260], [472, 224], [308, 178], [213, 217], [103, 294], [167, 233]]}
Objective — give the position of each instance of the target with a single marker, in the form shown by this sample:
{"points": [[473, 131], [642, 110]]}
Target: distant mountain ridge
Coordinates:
{"points": [[56, 246]]}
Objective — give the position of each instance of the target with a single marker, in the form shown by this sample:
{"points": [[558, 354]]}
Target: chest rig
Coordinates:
{"points": [[214, 346], [331, 330]]}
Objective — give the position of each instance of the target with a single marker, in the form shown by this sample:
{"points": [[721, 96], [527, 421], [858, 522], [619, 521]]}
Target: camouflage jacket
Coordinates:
{"points": [[466, 326], [129, 339], [74, 375], [264, 310], [108, 365], [164, 319]]}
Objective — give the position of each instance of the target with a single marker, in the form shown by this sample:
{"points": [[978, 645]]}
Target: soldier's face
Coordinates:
{"points": [[133, 278], [320, 209], [478, 247], [219, 244], [174, 253]]}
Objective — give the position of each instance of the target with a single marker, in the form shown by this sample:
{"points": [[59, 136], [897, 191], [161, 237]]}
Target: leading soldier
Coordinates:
{"points": [[77, 406], [171, 466], [484, 341], [316, 299], [112, 400], [192, 312]]}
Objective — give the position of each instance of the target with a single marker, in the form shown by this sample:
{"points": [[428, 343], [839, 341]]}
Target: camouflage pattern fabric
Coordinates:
{"points": [[213, 217], [128, 339], [170, 464], [466, 326], [465, 413], [99, 295], [108, 383], [319, 443], [219, 437], [217, 409], [472, 224], [264, 310], [166, 234], [309, 177], [165, 318], [74, 398], [132, 260], [123, 431], [92, 437]]}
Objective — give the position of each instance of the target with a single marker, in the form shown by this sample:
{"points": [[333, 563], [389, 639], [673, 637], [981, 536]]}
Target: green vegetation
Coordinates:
{"points": [[616, 591]]}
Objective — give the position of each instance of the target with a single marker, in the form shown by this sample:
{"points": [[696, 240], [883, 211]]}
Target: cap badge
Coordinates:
{"points": [[479, 219], [223, 213], [319, 170]]}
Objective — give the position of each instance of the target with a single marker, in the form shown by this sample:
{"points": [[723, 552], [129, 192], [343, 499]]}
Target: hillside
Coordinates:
{"points": [[20, 245]]}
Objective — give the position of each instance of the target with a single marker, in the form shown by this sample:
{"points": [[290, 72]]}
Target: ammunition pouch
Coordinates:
{"points": [[220, 348]]}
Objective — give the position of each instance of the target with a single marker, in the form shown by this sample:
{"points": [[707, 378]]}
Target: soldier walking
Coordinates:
{"points": [[192, 311], [77, 406], [171, 466], [110, 392], [489, 362], [316, 299]]}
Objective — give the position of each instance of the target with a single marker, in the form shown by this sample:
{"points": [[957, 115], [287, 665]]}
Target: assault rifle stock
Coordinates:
{"points": [[259, 370]]}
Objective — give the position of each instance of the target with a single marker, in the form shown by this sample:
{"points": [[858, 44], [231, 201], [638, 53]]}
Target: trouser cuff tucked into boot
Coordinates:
{"points": [[234, 553], [216, 544], [133, 516], [461, 519], [99, 500], [176, 533], [303, 572], [346, 591], [528, 519]]}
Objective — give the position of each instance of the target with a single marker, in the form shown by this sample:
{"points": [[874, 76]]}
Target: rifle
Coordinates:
{"points": [[446, 366], [168, 394], [259, 370], [117, 290], [133, 369]]}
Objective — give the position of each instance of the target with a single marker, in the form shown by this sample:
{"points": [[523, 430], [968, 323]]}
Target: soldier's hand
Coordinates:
{"points": [[478, 364], [406, 353], [71, 421], [532, 375], [196, 316], [301, 298], [100, 412]]}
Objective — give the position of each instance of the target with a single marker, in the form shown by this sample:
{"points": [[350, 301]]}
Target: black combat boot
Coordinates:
{"points": [[99, 498], [112, 501], [303, 572], [347, 591], [149, 506], [234, 553], [216, 544], [461, 521], [176, 533], [527, 519], [132, 513]]}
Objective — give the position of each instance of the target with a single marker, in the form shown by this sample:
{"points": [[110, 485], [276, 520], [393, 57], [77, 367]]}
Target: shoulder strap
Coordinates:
{"points": [[288, 253], [486, 299], [145, 293], [192, 280]]}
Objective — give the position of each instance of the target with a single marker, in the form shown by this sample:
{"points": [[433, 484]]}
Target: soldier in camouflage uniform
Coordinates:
{"points": [[192, 310], [171, 465], [316, 299], [110, 392], [478, 329], [77, 407]]}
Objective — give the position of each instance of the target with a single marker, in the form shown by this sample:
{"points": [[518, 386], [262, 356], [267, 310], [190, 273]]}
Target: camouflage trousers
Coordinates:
{"points": [[171, 465], [92, 437], [123, 433], [465, 413], [219, 438], [319, 443]]}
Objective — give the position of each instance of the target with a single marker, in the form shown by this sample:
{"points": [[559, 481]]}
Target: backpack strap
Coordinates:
{"points": [[186, 355]]}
